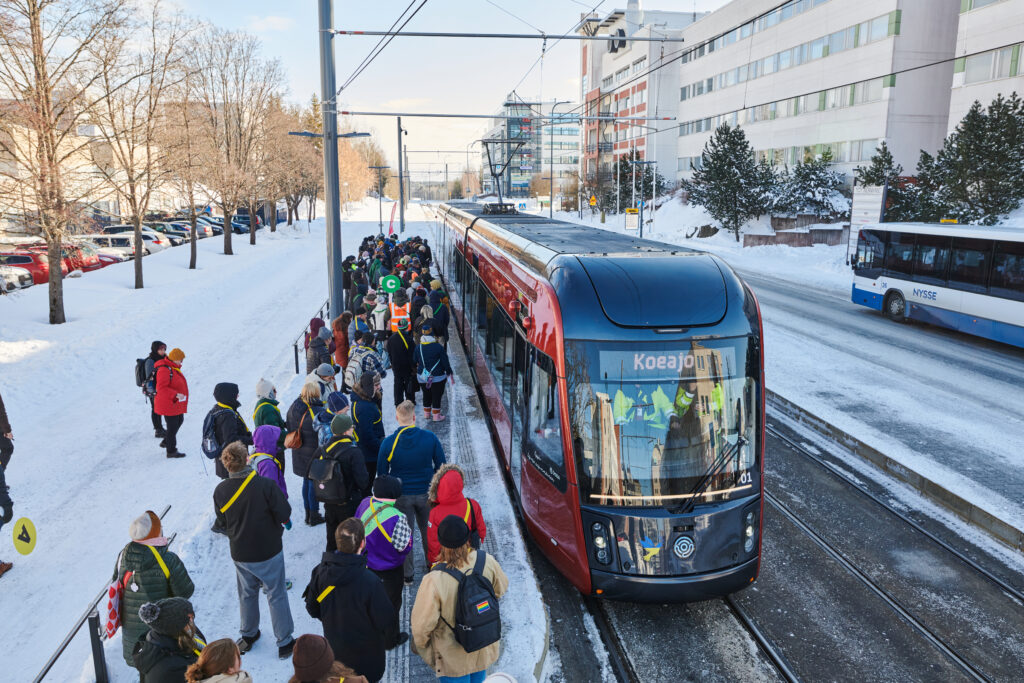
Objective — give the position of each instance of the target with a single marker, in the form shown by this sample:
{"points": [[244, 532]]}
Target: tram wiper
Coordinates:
{"points": [[720, 461]]}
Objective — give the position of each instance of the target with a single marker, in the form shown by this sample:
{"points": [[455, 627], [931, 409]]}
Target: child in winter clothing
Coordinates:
{"points": [[388, 535], [314, 662], [170, 646], [140, 569], [219, 662], [268, 410], [266, 459], [431, 360], [157, 351], [446, 497]]}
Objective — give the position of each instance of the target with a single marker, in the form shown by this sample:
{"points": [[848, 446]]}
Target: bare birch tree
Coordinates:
{"points": [[52, 57]]}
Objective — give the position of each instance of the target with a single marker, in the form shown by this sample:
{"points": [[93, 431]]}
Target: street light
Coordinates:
{"points": [[380, 195]]}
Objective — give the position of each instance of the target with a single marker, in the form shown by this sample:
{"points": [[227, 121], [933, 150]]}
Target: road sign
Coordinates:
{"points": [[593, 200], [954, 221], [24, 533], [391, 283], [632, 219], [632, 210]]}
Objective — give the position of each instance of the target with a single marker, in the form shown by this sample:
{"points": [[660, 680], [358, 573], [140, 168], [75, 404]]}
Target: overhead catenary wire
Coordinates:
{"points": [[395, 23], [517, 18], [359, 70]]}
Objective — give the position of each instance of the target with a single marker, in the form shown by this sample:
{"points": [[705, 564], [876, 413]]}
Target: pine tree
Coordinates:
{"points": [[814, 188], [644, 182], [899, 201], [730, 184]]}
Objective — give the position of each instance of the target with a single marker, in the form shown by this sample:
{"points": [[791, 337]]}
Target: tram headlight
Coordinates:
{"points": [[599, 537], [749, 531]]}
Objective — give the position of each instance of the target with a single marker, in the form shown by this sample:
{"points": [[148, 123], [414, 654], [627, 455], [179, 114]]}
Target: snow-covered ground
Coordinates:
{"points": [[944, 404], [86, 462]]}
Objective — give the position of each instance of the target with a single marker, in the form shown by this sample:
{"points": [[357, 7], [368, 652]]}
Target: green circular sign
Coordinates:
{"points": [[391, 284]]}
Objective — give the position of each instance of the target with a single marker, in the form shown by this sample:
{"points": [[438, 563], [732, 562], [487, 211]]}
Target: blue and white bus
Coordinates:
{"points": [[965, 277]]}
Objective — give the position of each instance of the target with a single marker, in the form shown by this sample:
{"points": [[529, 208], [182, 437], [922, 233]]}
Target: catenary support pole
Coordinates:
{"points": [[401, 182], [332, 213]]}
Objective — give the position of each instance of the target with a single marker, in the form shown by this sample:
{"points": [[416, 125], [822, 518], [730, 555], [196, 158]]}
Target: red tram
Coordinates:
{"points": [[624, 381]]}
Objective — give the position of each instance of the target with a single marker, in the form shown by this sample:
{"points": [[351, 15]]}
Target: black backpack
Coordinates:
{"points": [[140, 371], [328, 479], [477, 617], [211, 445]]}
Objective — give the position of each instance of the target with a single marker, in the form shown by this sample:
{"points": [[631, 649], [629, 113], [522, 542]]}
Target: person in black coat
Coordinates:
{"points": [[400, 347], [346, 276], [302, 416], [228, 424], [351, 462], [369, 422], [358, 618], [165, 652], [6, 511]]}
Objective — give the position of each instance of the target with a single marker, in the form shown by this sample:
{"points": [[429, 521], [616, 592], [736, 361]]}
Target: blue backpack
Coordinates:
{"points": [[211, 446], [322, 424]]}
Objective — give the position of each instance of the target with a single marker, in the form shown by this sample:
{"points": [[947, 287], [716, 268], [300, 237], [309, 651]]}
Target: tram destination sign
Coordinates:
{"points": [[647, 366]]}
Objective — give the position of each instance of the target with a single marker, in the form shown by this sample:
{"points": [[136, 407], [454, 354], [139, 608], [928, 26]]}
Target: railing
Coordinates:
{"points": [[96, 632], [295, 345]]}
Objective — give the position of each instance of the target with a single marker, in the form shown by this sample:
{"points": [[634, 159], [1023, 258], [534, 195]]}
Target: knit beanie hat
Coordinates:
{"points": [[325, 370], [312, 657], [167, 617], [386, 486], [324, 333], [145, 527], [264, 389], [336, 402], [177, 355], [341, 424], [452, 532]]}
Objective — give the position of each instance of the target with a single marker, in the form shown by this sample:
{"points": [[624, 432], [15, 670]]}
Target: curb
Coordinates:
{"points": [[936, 493]]}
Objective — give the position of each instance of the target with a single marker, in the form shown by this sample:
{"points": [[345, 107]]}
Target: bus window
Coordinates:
{"points": [[870, 253], [1008, 271], [931, 256], [899, 254], [968, 269]]}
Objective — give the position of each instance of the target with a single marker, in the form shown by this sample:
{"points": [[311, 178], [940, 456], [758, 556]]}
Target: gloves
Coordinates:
{"points": [[8, 514], [288, 525]]}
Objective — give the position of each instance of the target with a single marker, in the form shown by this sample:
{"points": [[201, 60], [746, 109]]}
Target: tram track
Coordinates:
{"points": [[770, 650]]}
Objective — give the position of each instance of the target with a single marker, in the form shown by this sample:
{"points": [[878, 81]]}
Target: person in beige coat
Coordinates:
{"points": [[435, 604]]}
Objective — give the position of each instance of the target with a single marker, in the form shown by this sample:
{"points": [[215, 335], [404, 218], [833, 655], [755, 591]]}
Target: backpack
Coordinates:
{"points": [[477, 617], [211, 446], [328, 479], [354, 369], [140, 371], [426, 376], [323, 429]]}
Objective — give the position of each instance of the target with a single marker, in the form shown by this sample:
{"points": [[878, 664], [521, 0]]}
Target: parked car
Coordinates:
{"points": [[12, 278], [244, 220], [120, 244], [176, 234], [202, 229], [117, 229], [109, 257], [155, 241], [34, 262], [72, 256], [89, 258]]}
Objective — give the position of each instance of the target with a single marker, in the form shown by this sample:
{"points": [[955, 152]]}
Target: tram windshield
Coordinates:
{"points": [[650, 420]]}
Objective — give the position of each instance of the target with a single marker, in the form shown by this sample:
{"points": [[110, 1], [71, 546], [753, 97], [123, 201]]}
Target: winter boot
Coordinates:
{"points": [[159, 433], [175, 454], [5, 567], [314, 518], [285, 651], [219, 528], [426, 412], [163, 443], [245, 643], [438, 417]]}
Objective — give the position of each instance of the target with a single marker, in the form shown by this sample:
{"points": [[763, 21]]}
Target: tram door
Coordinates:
{"points": [[519, 369]]}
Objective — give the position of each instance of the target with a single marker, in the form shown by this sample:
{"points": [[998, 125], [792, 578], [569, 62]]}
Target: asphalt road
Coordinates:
{"points": [[944, 403]]}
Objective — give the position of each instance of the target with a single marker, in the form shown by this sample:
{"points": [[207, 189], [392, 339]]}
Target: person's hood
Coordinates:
{"points": [[265, 439], [447, 485], [342, 569], [155, 648], [166, 362], [152, 350], [314, 326], [427, 312], [227, 393], [401, 297]]}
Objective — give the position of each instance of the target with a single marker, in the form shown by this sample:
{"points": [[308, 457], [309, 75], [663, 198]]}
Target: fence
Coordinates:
{"points": [[301, 338], [804, 238], [96, 633]]}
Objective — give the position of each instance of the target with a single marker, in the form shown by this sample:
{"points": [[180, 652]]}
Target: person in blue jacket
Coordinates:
{"points": [[369, 422], [432, 369], [413, 455]]}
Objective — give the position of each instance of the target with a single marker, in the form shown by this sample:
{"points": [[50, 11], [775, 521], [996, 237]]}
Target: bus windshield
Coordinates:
{"points": [[650, 420]]}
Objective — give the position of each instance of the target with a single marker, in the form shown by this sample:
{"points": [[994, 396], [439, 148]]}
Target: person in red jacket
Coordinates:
{"points": [[446, 497], [171, 398], [340, 329]]}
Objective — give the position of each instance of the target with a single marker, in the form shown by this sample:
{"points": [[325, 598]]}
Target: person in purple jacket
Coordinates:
{"points": [[388, 536], [265, 458]]}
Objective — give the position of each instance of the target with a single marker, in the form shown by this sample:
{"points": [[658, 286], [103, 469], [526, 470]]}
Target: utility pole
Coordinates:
{"points": [[447, 191], [329, 111], [401, 183]]}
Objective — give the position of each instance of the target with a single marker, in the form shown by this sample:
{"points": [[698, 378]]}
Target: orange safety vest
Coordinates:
{"points": [[398, 313]]}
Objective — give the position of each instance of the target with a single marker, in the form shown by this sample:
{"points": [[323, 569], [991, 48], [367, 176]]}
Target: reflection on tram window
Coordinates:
{"points": [[650, 420], [545, 433]]}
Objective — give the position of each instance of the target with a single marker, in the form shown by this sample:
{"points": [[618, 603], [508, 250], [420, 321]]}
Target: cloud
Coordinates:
{"points": [[269, 24]]}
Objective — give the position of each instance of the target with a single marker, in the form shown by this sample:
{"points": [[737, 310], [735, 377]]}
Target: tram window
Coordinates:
{"points": [[545, 434], [1008, 271], [899, 253], [931, 256], [968, 269]]}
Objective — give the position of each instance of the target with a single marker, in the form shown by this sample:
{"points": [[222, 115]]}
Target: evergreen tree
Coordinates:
{"points": [[644, 182], [813, 188], [730, 184], [899, 199]]}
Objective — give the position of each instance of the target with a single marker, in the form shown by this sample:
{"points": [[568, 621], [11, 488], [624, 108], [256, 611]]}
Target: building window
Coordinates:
{"points": [[639, 65], [606, 82]]}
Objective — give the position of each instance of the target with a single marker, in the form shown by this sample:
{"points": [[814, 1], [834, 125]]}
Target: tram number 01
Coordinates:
{"points": [[745, 478]]}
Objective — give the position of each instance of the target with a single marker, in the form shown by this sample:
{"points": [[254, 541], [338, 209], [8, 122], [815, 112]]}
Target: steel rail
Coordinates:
{"points": [[766, 645]]}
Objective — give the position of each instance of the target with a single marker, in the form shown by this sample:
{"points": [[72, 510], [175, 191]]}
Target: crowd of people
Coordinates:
{"points": [[382, 495]]}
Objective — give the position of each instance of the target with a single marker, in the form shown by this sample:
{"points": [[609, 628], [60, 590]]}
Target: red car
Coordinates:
{"points": [[73, 257], [90, 258], [34, 262]]}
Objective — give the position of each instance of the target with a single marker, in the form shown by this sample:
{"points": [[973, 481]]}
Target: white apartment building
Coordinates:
{"points": [[992, 33], [634, 79], [811, 75]]}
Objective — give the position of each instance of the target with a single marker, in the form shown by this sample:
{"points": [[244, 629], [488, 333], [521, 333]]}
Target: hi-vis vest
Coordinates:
{"points": [[399, 313]]}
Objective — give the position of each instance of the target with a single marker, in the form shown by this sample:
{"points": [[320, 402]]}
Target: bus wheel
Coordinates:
{"points": [[896, 307]]}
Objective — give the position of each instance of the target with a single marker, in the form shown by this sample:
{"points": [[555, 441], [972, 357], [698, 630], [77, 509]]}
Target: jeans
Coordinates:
{"points": [[432, 394], [415, 507], [173, 425], [309, 501], [475, 677], [157, 424], [268, 575]]}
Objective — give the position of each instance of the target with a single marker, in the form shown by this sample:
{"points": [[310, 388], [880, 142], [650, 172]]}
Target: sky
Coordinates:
{"points": [[453, 75]]}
